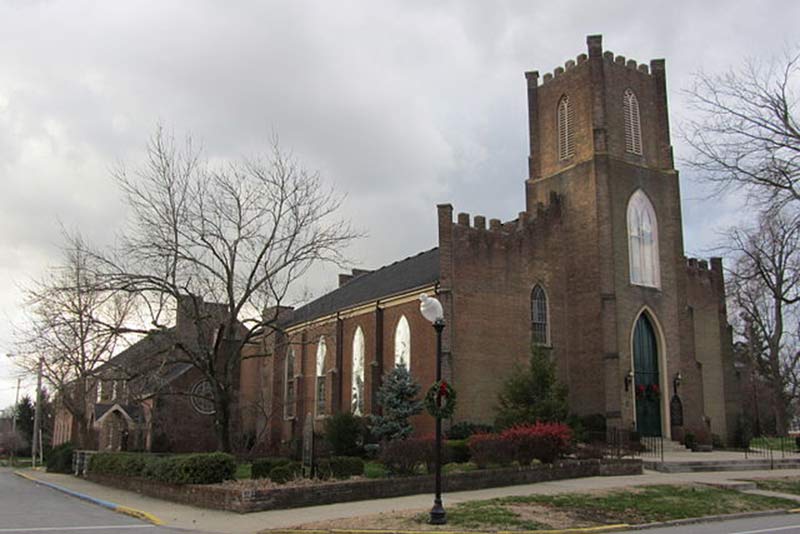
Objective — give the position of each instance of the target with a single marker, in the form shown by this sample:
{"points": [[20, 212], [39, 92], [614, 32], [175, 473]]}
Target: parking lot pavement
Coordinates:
{"points": [[26, 507]]}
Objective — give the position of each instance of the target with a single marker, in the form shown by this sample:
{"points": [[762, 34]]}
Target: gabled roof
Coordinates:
{"points": [[413, 272], [129, 359], [131, 412]]}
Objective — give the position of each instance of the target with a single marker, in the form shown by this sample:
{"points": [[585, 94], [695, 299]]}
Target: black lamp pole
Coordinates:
{"points": [[438, 515]]}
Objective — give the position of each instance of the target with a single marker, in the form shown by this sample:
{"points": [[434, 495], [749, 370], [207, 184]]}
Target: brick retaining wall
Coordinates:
{"points": [[233, 499]]}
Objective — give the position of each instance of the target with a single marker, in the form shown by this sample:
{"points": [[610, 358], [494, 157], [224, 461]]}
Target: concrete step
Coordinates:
{"points": [[719, 465]]}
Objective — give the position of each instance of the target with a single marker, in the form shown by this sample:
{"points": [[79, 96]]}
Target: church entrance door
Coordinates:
{"points": [[646, 378]]}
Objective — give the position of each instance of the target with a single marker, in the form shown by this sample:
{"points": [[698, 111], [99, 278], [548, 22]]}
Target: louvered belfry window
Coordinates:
{"points": [[566, 135], [633, 126], [539, 315]]}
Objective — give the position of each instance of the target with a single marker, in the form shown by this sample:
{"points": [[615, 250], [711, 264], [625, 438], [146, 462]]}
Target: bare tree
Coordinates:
{"points": [[764, 287], [238, 234], [745, 130], [74, 328]]}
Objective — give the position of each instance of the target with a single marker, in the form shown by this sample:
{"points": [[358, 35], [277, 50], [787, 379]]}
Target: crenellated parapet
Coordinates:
{"points": [[594, 43], [706, 273], [476, 232]]}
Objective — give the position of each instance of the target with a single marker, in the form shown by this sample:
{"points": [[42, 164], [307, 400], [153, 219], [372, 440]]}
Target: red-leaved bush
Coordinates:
{"points": [[543, 441], [486, 449]]}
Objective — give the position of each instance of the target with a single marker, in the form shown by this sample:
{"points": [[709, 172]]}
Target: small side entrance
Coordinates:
{"points": [[646, 378]]}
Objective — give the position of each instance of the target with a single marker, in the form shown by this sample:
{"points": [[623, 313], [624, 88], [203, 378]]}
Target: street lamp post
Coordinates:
{"points": [[432, 310]]}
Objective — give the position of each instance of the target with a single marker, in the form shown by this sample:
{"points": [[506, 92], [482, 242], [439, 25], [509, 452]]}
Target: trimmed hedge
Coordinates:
{"points": [[456, 450], [205, 468], [262, 467], [281, 474], [60, 459], [347, 466]]}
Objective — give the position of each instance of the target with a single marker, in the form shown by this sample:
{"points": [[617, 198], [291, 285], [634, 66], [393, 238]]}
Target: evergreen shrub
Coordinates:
{"points": [[283, 473], [201, 468], [60, 460], [346, 466], [345, 434], [262, 467], [456, 450]]}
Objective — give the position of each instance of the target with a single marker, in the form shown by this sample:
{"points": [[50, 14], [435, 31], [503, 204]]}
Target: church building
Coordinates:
{"points": [[593, 270]]}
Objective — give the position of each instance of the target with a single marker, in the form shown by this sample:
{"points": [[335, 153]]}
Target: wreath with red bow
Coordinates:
{"points": [[440, 401]]}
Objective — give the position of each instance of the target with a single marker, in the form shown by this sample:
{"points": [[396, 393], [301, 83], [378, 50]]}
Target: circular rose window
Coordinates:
{"points": [[203, 397]]}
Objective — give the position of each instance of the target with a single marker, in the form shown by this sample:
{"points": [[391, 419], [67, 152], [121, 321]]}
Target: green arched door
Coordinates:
{"points": [[646, 378]]}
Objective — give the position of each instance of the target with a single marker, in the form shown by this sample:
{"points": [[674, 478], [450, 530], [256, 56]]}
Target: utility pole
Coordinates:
{"points": [[37, 417], [14, 424]]}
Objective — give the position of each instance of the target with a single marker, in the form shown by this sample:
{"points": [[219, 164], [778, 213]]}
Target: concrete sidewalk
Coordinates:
{"points": [[189, 517]]}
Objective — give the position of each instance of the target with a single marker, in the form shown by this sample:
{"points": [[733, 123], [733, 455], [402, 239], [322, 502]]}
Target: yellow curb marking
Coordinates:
{"points": [[793, 511], [139, 515]]}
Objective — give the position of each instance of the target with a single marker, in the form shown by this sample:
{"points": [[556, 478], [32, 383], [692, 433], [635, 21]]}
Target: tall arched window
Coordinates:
{"points": [[402, 343], [288, 384], [566, 136], [643, 241], [633, 127], [322, 350], [357, 398], [539, 326]]}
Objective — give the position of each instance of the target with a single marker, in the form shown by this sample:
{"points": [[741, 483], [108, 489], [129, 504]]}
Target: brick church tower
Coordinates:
{"points": [[594, 268]]}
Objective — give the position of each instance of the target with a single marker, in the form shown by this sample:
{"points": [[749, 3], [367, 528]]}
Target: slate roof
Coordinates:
{"points": [[416, 271], [134, 356]]}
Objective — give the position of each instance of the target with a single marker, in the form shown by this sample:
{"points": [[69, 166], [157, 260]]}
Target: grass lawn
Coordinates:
{"points": [[373, 469], [243, 472], [638, 505], [782, 485], [655, 503], [19, 461], [776, 444]]}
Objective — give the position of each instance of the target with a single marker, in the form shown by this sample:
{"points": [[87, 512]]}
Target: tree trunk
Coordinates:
{"points": [[222, 421]]}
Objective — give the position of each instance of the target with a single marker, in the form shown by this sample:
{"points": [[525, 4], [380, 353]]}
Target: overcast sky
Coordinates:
{"points": [[400, 105]]}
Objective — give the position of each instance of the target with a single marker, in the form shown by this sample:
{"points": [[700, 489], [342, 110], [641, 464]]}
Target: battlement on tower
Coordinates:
{"points": [[473, 231], [595, 49]]}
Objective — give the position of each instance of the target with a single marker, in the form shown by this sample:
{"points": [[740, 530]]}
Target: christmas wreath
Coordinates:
{"points": [[440, 401]]}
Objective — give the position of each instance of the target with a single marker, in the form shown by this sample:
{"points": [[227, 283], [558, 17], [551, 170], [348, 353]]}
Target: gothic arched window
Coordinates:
{"points": [[322, 350], [288, 384], [566, 136], [643, 241], [357, 383], [633, 127], [539, 326], [402, 343]]}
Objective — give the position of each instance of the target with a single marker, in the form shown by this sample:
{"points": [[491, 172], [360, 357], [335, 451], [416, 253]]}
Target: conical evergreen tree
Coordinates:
{"points": [[532, 394], [398, 399]]}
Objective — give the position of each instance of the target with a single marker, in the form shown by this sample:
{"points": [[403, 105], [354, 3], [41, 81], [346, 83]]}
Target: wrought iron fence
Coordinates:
{"points": [[617, 443], [772, 448]]}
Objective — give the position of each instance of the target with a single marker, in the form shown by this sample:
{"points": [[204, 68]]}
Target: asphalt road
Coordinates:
{"points": [[26, 507], [779, 524]]}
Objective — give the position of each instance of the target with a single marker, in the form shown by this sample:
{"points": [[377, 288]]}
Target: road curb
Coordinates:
{"points": [[713, 518], [100, 502]]}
